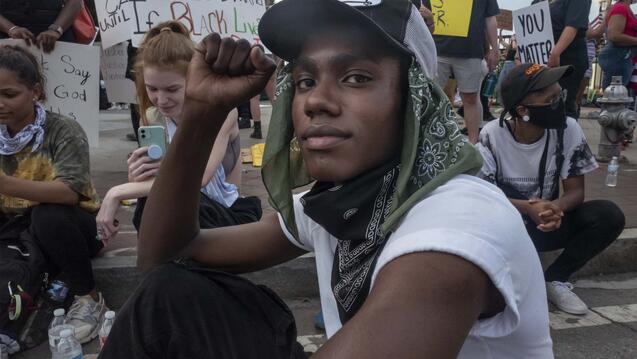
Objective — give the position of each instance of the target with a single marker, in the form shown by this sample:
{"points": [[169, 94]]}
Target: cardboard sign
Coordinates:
{"points": [[119, 88], [452, 17], [115, 20], [121, 20], [534, 33], [72, 83]]}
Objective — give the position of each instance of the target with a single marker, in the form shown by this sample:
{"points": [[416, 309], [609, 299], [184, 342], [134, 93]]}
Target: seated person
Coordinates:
{"points": [[45, 185], [407, 264], [161, 66], [527, 154]]}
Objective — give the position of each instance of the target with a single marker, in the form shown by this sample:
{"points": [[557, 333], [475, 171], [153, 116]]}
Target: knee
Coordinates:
{"points": [[48, 218], [609, 215], [171, 283], [469, 99]]}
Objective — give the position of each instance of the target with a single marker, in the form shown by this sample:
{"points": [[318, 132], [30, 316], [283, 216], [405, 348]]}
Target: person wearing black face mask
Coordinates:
{"points": [[533, 147]]}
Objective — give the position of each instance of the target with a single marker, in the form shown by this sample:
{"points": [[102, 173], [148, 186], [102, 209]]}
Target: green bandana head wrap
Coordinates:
{"points": [[433, 151]]}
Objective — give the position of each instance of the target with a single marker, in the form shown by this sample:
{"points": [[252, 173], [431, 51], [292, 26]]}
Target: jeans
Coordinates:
{"points": [[66, 236], [616, 61], [186, 311], [585, 232]]}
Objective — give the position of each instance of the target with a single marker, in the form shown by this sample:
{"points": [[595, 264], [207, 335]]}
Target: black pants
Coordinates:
{"points": [[212, 214], [66, 236], [190, 312], [575, 55], [585, 232]]}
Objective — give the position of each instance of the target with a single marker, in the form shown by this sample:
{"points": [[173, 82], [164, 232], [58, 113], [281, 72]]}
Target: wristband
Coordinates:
{"points": [[57, 28]]}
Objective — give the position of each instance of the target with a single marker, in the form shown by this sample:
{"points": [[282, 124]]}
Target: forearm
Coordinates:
{"points": [[131, 190], [570, 199], [55, 192], [567, 37], [68, 14], [521, 205], [5, 24], [622, 39], [170, 219]]}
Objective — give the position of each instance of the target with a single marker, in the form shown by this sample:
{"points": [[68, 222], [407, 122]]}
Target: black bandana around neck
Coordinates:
{"points": [[354, 213]]}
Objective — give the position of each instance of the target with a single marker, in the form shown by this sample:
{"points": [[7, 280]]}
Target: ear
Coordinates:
{"points": [[521, 111], [38, 91]]}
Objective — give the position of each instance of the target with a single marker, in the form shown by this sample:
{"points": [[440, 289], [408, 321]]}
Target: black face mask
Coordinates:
{"points": [[549, 116]]}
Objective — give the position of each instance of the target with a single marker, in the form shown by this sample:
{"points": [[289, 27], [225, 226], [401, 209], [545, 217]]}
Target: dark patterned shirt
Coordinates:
{"points": [[63, 156]]}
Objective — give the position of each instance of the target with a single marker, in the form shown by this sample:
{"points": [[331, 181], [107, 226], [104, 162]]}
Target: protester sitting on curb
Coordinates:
{"points": [[39, 22], [161, 68], [527, 154], [394, 220], [45, 185]]}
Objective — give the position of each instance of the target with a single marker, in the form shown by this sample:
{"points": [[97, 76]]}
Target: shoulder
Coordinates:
{"points": [[573, 129], [619, 9], [63, 128]]}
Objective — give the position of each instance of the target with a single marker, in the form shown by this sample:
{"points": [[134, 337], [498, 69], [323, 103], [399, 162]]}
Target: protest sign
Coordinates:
{"points": [[115, 20], [72, 82], [534, 33], [452, 17], [121, 20], [113, 65]]}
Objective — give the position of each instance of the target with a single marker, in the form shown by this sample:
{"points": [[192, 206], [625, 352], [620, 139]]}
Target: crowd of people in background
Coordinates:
{"points": [[396, 212]]}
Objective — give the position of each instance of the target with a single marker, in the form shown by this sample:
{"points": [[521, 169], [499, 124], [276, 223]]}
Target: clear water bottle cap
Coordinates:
{"points": [[615, 157], [109, 315], [66, 333], [59, 312], [155, 152]]}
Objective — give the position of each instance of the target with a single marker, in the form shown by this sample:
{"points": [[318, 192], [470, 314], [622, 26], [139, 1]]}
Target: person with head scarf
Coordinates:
{"points": [[533, 148], [408, 264]]}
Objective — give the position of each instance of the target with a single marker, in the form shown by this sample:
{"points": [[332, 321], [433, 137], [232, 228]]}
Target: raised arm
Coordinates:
{"points": [[222, 74]]}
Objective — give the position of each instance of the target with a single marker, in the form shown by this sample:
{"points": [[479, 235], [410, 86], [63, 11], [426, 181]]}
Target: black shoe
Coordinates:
{"points": [[256, 133], [131, 137], [244, 123]]}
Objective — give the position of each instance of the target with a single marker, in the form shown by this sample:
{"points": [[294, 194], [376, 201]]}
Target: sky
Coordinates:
{"points": [[516, 4]]}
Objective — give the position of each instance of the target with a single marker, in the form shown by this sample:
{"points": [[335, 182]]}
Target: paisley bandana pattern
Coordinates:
{"points": [[434, 151]]}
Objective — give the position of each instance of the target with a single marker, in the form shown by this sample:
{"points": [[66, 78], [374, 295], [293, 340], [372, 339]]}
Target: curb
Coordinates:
{"points": [[117, 277]]}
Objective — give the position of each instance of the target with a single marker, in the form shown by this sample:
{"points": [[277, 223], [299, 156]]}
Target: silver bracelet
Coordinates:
{"points": [[12, 28]]}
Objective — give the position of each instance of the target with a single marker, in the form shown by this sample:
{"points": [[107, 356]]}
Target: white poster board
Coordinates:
{"points": [[121, 20], [534, 33], [115, 20], [119, 88], [72, 83]]}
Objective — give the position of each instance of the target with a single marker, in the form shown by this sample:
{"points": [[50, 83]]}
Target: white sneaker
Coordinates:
{"points": [[85, 315], [561, 294]]}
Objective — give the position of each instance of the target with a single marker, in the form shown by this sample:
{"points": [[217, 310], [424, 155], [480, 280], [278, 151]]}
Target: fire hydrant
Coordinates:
{"points": [[617, 121]]}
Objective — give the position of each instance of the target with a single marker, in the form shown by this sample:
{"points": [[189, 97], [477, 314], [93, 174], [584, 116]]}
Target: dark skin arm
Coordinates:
{"points": [[408, 312], [38, 191], [46, 39], [222, 74]]}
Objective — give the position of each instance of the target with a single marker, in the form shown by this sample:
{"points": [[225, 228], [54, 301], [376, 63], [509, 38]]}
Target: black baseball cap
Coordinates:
{"points": [[526, 78], [285, 26]]}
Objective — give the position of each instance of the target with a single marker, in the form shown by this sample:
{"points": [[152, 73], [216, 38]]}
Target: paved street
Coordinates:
{"points": [[608, 331]]}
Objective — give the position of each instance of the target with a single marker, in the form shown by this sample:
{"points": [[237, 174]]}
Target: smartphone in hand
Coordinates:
{"points": [[153, 137]]}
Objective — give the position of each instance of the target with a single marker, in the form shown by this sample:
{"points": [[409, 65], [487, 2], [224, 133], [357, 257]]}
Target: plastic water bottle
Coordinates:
{"points": [[490, 83], [57, 325], [69, 347], [613, 170], [105, 329]]}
